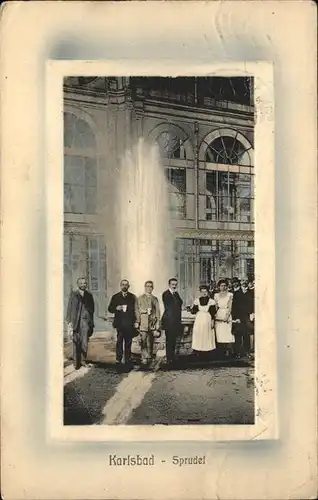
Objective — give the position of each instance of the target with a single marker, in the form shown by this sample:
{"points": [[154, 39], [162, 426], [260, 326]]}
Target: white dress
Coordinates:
{"points": [[203, 335], [223, 329]]}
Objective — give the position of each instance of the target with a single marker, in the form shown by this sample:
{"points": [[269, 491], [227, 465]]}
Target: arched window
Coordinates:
{"points": [[172, 145], [228, 151], [80, 166], [77, 133], [229, 180]]}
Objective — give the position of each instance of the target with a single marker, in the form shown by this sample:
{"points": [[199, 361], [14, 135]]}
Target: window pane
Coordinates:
{"points": [[171, 145], [93, 247], [66, 246], [77, 132], [73, 170], [68, 136], [69, 127], [226, 210], [210, 155], [211, 182], [227, 150], [205, 270], [177, 178], [77, 199], [84, 136], [210, 208], [244, 191], [178, 205], [93, 273], [90, 172], [228, 196], [225, 245], [79, 257], [244, 186], [67, 198], [223, 181], [102, 249], [244, 177], [91, 200], [211, 199], [245, 210], [250, 268]]}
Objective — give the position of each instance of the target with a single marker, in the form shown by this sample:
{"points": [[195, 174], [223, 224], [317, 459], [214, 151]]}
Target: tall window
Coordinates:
{"points": [[226, 259], [177, 182], [208, 260], [172, 148], [80, 167], [229, 196], [86, 256], [185, 262], [229, 185], [97, 264]]}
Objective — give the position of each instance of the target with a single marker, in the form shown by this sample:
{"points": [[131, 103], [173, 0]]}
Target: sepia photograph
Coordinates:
{"points": [[159, 250]]}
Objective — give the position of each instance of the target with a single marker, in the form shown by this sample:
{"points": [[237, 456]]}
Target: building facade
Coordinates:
{"points": [[204, 130]]}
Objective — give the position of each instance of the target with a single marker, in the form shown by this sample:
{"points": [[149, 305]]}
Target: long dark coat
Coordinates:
{"points": [[75, 304], [242, 305], [171, 319], [124, 321]]}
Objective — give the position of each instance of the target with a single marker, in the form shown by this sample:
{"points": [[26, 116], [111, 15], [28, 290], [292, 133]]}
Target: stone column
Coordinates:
{"points": [[119, 116]]}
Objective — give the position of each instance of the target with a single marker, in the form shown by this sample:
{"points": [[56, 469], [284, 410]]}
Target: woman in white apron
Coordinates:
{"points": [[223, 319], [203, 335]]}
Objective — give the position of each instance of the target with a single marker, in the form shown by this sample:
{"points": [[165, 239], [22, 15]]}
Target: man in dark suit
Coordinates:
{"points": [[124, 306], [80, 318], [242, 308], [171, 319]]}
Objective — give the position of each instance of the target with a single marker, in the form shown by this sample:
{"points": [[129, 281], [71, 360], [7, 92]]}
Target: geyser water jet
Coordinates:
{"points": [[145, 239]]}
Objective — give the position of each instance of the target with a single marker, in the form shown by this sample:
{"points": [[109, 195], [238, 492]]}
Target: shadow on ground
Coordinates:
{"points": [[86, 396]]}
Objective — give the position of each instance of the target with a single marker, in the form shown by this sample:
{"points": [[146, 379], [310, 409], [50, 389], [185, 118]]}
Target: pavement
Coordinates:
{"points": [[101, 347], [211, 391]]}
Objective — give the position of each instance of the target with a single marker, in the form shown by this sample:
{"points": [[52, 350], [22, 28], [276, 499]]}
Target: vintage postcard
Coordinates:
{"points": [[158, 262], [160, 250]]}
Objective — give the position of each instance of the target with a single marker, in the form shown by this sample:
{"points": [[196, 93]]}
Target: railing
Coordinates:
{"points": [[189, 99]]}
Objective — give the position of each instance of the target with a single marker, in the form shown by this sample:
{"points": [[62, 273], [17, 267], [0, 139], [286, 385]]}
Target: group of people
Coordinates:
{"points": [[141, 316], [224, 319]]}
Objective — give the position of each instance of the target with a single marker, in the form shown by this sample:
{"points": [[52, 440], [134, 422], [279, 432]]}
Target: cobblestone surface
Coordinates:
{"points": [[189, 395], [85, 397], [199, 396]]}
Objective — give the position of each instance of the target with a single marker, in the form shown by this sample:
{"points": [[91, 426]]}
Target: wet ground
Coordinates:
{"points": [[195, 394]]}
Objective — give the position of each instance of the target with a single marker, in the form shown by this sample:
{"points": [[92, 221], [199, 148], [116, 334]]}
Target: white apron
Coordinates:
{"points": [[223, 330], [203, 336]]}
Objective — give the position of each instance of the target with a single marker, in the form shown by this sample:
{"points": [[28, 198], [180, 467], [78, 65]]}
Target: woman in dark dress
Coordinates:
{"points": [[203, 336]]}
